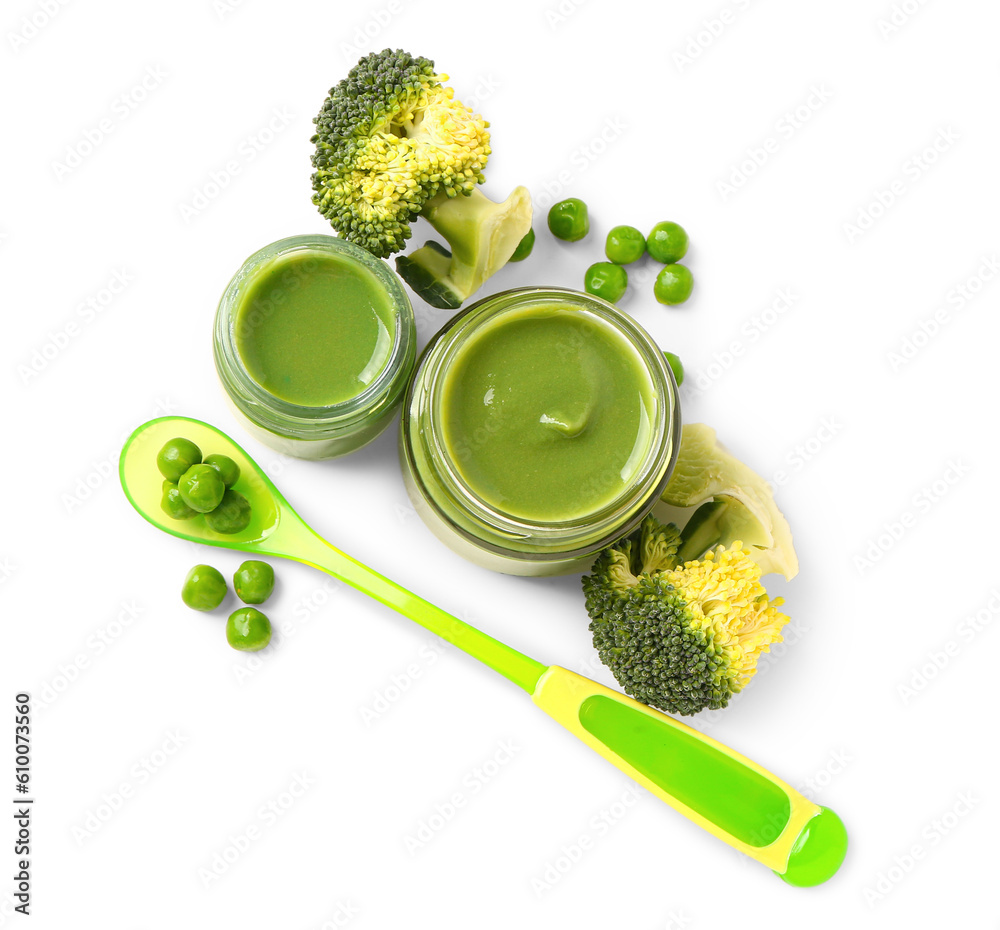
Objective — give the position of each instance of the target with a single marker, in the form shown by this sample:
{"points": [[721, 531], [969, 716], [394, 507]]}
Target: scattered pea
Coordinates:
{"points": [[176, 457], [673, 284], [254, 582], [232, 515], [204, 588], [524, 247], [568, 219], [201, 488], [172, 504], [676, 366], [228, 470], [606, 280], [667, 243], [625, 244], [248, 630]]}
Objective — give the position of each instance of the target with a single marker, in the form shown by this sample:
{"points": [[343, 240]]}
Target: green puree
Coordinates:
{"points": [[314, 329], [546, 413]]}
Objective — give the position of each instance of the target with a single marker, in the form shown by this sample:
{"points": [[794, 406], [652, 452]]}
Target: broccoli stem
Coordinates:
{"points": [[704, 531], [722, 522], [482, 234]]}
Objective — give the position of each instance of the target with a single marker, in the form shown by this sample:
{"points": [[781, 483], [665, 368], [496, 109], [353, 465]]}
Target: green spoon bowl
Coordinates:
{"points": [[142, 483]]}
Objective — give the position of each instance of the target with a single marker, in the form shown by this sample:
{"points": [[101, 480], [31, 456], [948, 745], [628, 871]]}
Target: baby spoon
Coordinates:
{"points": [[717, 788]]}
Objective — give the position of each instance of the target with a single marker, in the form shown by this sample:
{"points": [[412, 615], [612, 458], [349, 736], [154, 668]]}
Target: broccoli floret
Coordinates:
{"points": [[679, 636], [392, 144]]}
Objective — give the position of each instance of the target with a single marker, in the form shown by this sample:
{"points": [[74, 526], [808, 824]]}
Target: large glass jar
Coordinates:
{"points": [[436, 470]]}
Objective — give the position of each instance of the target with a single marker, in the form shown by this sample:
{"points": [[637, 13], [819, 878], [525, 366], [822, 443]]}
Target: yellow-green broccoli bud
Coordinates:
{"points": [[390, 137], [681, 637]]}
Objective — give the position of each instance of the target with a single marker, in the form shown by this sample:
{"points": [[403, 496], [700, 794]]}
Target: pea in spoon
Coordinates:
{"points": [[712, 785]]}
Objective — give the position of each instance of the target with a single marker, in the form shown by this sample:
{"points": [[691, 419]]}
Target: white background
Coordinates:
{"points": [[648, 112]]}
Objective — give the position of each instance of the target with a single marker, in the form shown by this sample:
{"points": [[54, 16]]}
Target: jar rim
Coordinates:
{"points": [[288, 417], [644, 488]]}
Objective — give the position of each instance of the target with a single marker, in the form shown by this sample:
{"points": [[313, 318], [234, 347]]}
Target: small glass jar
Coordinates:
{"points": [[483, 533], [303, 431]]}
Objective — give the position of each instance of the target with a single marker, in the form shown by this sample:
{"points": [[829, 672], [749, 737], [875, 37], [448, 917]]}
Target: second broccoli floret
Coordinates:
{"points": [[681, 637]]}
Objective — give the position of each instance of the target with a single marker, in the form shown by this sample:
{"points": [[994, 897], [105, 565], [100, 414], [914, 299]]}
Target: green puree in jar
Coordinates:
{"points": [[546, 413], [314, 328]]}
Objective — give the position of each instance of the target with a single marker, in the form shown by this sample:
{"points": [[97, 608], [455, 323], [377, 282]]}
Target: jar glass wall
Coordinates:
{"points": [[301, 425], [484, 528]]}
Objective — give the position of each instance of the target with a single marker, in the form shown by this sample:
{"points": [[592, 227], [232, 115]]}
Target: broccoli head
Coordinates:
{"points": [[679, 636], [393, 143]]}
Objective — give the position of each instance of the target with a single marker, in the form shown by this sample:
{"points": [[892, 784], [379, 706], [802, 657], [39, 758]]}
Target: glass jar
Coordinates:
{"points": [[314, 432], [484, 533]]}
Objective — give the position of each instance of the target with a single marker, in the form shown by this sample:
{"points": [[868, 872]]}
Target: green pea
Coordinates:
{"points": [[676, 366], [232, 515], [228, 470], [606, 280], [667, 242], [248, 629], [204, 588], [176, 457], [201, 488], [625, 245], [254, 582], [568, 220], [673, 284], [172, 504], [524, 247]]}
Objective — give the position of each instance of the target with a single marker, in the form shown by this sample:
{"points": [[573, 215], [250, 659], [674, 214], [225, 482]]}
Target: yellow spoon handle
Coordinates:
{"points": [[717, 788]]}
